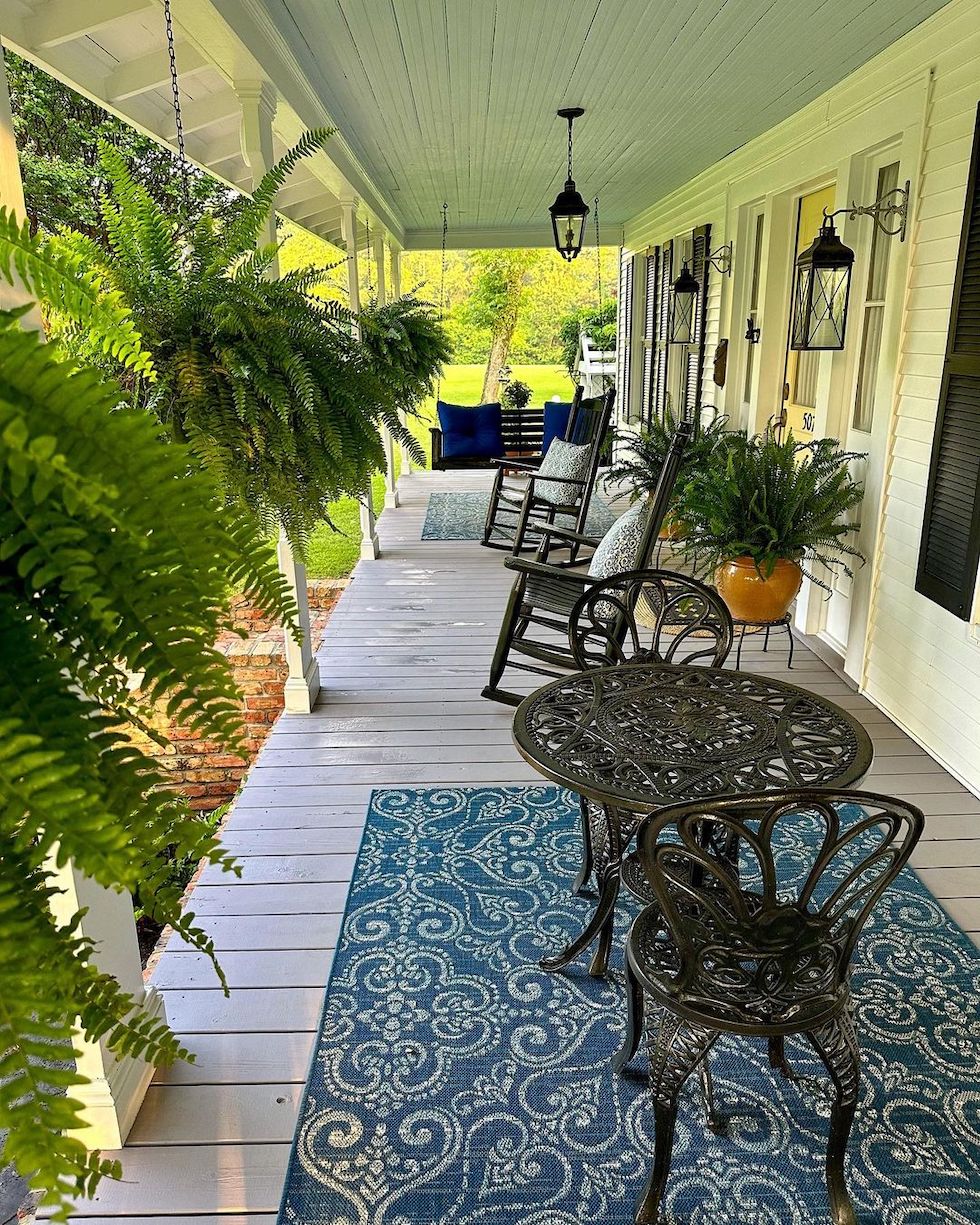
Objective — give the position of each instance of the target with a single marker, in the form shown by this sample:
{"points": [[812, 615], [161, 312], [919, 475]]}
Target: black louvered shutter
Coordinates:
{"points": [[950, 547], [651, 297], [694, 358], [657, 403], [624, 334]]}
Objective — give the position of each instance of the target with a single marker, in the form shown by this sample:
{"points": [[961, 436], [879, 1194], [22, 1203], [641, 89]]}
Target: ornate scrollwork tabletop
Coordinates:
{"points": [[644, 735]]}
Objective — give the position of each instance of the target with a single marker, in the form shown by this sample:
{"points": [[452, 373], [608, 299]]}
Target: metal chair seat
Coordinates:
{"points": [[789, 980]]}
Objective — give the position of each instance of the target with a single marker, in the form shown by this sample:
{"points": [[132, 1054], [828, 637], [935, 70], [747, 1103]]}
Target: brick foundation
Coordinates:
{"points": [[206, 773]]}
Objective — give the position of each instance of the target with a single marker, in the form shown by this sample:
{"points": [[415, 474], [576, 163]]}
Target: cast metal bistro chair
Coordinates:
{"points": [[536, 619], [740, 939], [644, 615], [515, 509]]}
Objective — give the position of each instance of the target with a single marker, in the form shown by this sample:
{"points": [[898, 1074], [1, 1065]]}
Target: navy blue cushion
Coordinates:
{"points": [[555, 423], [470, 433]]}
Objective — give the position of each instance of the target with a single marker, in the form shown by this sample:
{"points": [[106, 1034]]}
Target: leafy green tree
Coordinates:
{"points": [[116, 557], [498, 294], [58, 134]]}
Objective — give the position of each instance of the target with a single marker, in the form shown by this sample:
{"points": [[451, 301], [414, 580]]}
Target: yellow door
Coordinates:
{"points": [[803, 369]]}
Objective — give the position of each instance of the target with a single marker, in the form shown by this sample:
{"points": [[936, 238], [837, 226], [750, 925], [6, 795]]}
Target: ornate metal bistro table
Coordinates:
{"points": [[630, 739]]}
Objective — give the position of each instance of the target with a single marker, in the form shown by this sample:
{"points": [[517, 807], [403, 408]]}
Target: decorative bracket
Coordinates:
{"points": [[721, 260], [892, 204]]}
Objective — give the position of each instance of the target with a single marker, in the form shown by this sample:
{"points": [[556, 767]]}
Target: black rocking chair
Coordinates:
{"points": [[516, 508], [761, 952], [536, 621]]}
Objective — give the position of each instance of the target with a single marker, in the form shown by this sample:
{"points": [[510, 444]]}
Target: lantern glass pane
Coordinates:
{"points": [[682, 325], [569, 231], [820, 307]]}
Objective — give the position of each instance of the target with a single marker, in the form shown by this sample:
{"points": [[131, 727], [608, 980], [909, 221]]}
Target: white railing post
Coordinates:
{"points": [[258, 102], [112, 1097], [370, 546]]}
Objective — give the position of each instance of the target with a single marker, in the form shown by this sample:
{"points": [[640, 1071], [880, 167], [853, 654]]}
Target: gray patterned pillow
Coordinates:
{"points": [[618, 549], [563, 459]]}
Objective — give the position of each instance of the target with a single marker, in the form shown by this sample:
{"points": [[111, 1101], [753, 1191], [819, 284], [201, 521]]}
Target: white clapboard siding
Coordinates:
{"points": [[922, 664]]}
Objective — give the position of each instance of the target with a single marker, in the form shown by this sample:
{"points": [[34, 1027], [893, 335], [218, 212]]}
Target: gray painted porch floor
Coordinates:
{"points": [[404, 658]]}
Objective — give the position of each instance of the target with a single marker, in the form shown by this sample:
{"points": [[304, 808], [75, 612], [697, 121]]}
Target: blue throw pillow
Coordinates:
{"points": [[470, 433], [555, 423]]}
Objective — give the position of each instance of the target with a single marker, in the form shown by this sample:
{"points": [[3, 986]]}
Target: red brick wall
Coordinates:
{"points": [[207, 774]]}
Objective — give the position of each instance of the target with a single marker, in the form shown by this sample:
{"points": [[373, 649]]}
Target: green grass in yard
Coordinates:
{"points": [[334, 554]]}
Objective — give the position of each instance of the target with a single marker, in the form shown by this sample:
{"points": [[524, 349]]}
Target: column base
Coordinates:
{"points": [[392, 500], [112, 1100], [370, 548], [300, 693]]}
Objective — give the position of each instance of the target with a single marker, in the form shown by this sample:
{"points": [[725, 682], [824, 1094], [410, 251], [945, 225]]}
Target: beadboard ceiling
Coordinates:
{"points": [[455, 99]]}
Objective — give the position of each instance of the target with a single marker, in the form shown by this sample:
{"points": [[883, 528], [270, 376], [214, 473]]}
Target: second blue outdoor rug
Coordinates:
{"points": [[454, 1083], [461, 515]]}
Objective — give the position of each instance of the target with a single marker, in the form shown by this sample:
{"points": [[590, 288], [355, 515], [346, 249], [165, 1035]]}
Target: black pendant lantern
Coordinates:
{"points": [[569, 211], [683, 305], [820, 291]]}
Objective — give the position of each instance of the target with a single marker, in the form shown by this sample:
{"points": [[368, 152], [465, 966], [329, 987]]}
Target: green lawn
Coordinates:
{"points": [[334, 554]]}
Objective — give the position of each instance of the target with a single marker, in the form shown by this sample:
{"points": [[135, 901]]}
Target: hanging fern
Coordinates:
{"points": [[116, 554], [268, 382]]}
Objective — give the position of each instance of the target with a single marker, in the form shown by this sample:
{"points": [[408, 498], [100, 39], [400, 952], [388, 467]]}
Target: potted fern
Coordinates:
{"points": [[639, 467], [764, 514]]}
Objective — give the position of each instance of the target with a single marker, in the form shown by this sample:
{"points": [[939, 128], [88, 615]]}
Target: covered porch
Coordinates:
{"points": [[405, 655]]}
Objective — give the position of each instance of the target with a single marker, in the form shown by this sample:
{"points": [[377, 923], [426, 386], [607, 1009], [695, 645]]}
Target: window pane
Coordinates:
{"points": [[807, 373], [880, 243], [864, 398]]}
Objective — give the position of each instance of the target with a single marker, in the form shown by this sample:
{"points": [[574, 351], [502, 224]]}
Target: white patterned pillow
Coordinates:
{"points": [[619, 549], [565, 459]]}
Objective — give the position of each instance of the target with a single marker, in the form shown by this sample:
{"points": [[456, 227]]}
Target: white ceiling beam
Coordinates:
{"points": [[222, 149], [62, 21], [196, 116], [151, 71], [299, 193]]}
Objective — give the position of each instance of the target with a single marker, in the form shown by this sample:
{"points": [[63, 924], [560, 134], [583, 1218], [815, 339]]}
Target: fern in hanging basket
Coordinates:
{"points": [[269, 383]]}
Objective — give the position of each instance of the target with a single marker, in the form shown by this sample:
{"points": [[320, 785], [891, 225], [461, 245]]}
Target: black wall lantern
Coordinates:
{"points": [[683, 305], [822, 281], [569, 211]]}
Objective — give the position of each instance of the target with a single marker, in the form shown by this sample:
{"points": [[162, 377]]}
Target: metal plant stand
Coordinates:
{"points": [[630, 739], [783, 623]]}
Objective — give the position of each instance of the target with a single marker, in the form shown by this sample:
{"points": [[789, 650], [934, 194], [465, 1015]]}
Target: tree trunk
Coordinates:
{"points": [[499, 348]]}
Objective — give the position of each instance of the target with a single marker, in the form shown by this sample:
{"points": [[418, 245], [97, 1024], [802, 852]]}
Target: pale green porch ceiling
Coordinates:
{"points": [[455, 99]]}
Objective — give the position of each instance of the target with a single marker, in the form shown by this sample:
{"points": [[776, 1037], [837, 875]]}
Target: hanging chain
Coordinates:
{"points": [[569, 148], [442, 275], [598, 254], [185, 187], [370, 249]]}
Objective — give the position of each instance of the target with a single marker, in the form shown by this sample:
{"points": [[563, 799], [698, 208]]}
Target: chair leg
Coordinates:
{"points": [[588, 860], [505, 638], [494, 502], [836, 1044], [777, 1057], [634, 1019], [676, 1049], [716, 1122]]}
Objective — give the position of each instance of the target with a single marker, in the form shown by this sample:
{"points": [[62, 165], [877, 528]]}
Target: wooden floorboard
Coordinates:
{"points": [[403, 661]]}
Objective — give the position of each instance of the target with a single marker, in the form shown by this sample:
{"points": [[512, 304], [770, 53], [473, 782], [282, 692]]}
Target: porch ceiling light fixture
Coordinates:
{"points": [[683, 303], [569, 211], [822, 282]]}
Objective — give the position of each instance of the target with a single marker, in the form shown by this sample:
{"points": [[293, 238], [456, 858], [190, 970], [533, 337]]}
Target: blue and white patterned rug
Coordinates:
{"points": [[461, 515], [454, 1083]]}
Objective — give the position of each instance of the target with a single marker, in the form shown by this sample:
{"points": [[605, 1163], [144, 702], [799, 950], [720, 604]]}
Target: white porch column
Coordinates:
{"points": [[116, 1087], [370, 546], [391, 485], [396, 292], [258, 101]]}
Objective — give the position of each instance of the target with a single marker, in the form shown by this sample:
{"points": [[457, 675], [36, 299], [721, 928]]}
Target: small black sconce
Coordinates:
{"points": [[752, 333], [682, 306], [822, 281], [569, 211]]}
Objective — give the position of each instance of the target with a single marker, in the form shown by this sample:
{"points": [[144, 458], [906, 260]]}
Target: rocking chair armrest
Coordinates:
{"points": [[541, 570], [566, 533], [561, 480]]}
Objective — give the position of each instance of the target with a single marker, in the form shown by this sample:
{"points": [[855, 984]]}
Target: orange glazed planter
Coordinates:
{"points": [[752, 597]]}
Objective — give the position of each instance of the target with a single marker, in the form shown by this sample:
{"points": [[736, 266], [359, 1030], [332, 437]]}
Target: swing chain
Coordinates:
{"points": [[598, 254], [442, 286], [175, 88]]}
